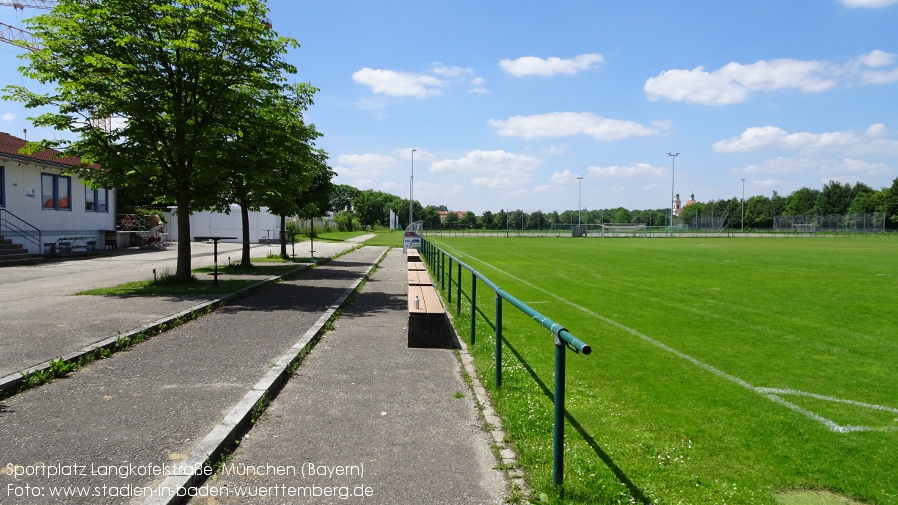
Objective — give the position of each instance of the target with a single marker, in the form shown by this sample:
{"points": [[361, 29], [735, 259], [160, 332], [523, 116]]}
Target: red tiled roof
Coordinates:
{"points": [[460, 213], [11, 145]]}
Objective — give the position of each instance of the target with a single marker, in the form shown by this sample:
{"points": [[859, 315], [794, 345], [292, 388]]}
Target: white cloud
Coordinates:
{"points": [[364, 165], [452, 72], [532, 65], [393, 83], [9, 116], [875, 140], [477, 86], [629, 171], [495, 169], [566, 176], [405, 153], [868, 4], [836, 169], [564, 124], [735, 82]]}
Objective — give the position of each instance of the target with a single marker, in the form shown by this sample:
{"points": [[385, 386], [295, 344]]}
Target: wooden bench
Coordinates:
{"points": [[428, 325]]}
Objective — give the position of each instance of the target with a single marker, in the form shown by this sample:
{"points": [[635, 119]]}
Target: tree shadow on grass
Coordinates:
{"points": [[635, 492]]}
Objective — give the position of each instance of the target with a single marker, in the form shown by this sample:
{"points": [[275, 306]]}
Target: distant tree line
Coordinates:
{"points": [[369, 208]]}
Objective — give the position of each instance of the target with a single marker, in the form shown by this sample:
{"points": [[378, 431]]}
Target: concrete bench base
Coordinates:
{"points": [[430, 331]]}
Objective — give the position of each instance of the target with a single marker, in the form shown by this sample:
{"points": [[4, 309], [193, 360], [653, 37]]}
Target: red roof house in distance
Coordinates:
{"points": [[445, 213]]}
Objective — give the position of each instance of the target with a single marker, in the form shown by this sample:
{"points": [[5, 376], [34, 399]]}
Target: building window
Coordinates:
{"points": [[96, 200], [2, 187], [56, 192]]}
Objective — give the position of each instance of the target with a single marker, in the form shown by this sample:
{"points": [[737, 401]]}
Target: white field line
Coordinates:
{"points": [[769, 393]]}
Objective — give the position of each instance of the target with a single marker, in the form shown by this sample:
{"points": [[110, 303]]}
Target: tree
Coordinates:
{"points": [[486, 220], [430, 216], [891, 202], [834, 199], [312, 202], [451, 221], [172, 71], [342, 197], [469, 221], [270, 160], [802, 202]]}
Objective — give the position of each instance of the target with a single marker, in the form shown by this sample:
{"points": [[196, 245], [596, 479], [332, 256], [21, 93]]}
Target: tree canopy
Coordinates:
{"points": [[173, 75]]}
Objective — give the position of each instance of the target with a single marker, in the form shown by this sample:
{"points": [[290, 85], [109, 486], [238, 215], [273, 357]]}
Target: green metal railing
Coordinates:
{"points": [[437, 259]]}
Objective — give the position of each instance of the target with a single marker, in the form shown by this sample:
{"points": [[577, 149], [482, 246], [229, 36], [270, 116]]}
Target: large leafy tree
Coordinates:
{"points": [[172, 71]]}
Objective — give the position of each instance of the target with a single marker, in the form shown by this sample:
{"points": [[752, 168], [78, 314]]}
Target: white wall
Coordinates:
{"points": [[261, 224]]}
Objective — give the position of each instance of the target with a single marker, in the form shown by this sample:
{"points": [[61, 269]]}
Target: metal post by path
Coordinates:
{"points": [[498, 340], [473, 306], [558, 432]]}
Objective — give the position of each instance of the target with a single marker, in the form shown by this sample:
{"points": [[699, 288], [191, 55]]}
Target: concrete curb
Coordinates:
{"points": [[175, 489], [14, 382]]}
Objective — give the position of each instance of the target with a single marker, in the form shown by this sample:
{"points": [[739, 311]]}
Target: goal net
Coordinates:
{"points": [[623, 230]]}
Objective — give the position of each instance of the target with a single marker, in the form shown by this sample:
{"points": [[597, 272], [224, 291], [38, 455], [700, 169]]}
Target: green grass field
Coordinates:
{"points": [[723, 370]]}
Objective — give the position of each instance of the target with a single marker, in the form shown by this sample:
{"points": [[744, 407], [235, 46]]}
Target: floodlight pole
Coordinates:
{"points": [[743, 205], [673, 157], [579, 192], [411, 189]]}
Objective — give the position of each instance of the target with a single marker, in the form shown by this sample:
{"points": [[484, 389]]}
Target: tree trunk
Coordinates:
{"points": [[182, 273], [244, 217], [284, 237]]}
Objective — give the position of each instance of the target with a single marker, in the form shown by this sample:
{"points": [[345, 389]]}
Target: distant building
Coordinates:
{"points": [[445, 213], [42, 206], [678, 209]]}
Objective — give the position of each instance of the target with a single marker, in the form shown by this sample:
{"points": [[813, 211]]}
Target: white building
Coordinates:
{"points": [[43, 209]]}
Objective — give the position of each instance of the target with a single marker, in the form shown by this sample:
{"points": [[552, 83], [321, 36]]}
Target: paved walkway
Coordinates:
{"points": [[365, 404], [42, 318], [120, 426]]}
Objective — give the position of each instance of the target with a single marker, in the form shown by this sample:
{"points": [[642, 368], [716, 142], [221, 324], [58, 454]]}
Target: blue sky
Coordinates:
{"points": [[507, 102]]}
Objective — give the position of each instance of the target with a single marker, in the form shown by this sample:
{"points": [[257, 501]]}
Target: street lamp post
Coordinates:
{"points": [[673, 157], [411, 189], [743, 205], [579, 205]]}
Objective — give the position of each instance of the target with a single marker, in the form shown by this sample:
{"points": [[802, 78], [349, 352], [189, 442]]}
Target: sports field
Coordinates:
{"points": [[723, 370]]}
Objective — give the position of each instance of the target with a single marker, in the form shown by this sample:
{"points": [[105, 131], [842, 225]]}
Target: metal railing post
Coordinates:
{"points": [[458, 292], [473, 306], [498, 340], [558, 432], [449, 288]]}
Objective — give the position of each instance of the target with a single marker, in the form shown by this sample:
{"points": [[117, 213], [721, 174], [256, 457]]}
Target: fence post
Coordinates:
{"points": [[558, 432], [458, 293], [442, 268], [449, 288], [498, 340], [473, 305]]}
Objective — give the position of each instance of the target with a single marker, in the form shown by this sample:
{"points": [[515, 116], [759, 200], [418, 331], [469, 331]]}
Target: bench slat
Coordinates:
{"points": [[428, 300], [419, 278]]}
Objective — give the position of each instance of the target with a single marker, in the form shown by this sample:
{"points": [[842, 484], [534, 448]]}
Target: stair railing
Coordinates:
{"points": [[21, 228]]}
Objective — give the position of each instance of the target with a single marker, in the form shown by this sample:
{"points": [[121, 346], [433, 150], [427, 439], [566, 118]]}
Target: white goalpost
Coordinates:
{"points": [[624, 230]]}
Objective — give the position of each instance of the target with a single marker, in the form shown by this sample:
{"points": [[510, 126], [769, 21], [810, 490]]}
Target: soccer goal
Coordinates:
{"points": [[624, 230], [805, 227]]}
